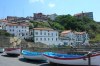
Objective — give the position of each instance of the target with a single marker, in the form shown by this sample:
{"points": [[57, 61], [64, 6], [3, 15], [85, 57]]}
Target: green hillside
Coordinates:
{"points": [[40, 24], [68, 22], [96, 39]]}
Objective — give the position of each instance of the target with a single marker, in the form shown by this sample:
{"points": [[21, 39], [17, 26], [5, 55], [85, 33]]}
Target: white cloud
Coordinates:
{"points": [[51, 5], [33, 1]]}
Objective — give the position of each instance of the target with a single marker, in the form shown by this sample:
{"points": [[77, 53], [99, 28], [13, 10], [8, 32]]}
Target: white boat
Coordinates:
{"points": [[32, 55], [72, 59], [1, 50], [13, 51]]}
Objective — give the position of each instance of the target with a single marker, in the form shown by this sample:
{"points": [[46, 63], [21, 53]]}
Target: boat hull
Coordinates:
{"points": [[39, 57], [95, 60], [1, 50], [32, 55], [13, 51]]}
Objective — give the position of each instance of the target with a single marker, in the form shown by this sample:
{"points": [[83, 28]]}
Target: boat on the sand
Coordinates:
{"points": [[13, 51], [32, 55], [73, 59]]}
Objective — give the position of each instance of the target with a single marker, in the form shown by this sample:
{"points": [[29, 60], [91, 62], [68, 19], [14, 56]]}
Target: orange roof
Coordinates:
{"points": [[66, 31], [16, 24], [43, 29], [80, 32]]}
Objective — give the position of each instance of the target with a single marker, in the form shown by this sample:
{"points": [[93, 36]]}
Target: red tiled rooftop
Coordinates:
{"points": [[66, 31], [80, 32], [16, 24], [43, 29]]}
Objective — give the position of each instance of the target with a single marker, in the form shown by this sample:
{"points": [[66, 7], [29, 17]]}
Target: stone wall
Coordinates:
{"points": [[9, 41], [16, 42]]}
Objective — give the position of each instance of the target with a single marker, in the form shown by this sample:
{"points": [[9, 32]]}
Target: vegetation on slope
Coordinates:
{"points": [[84, 24], [4, 33], [68, 22]]}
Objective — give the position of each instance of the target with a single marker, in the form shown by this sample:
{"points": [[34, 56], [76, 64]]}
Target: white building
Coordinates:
{"points": [[46, 35], [18, 30], [68, 37], [52, 16], [82, 38], [74, 38], [3, 24]]}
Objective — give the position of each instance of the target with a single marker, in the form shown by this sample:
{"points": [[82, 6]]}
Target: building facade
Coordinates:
{"points": [[40, 17], [18, 30], [3, 24], [82, 38], [68, 37], [46, 35], [86, 14], [72, 38], [52, 16]]}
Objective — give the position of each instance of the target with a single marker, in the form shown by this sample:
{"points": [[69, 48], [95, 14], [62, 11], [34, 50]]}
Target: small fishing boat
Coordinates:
{"points": [[73, 59], [1, 50], [32, 55], [13, 51]]}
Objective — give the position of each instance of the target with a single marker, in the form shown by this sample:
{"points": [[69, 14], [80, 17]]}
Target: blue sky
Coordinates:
{"points": [[28, 7]]}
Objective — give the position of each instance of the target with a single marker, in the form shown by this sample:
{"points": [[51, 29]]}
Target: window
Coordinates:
{"points": [[48, 34], [52, 34], [36, 39], [52, 39], [41, 39], [45, 33], [48, 39], [41, 33], [36, 33], [22, 34], [10, 29], [44, 39], [26, 34], [56, 39], [56, 34]]}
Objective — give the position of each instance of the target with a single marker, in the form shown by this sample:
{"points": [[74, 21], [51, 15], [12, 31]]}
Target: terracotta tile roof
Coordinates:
{"points": [[43, 29], [80, 32], [66, 31], [16, 24]]}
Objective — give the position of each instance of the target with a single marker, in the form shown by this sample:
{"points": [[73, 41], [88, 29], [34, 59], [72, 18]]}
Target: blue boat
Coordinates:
{"points": [[72, 59], [32, 55]]}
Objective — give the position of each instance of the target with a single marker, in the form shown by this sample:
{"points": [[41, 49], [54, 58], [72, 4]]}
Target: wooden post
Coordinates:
{"points": [[89, 58]]}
